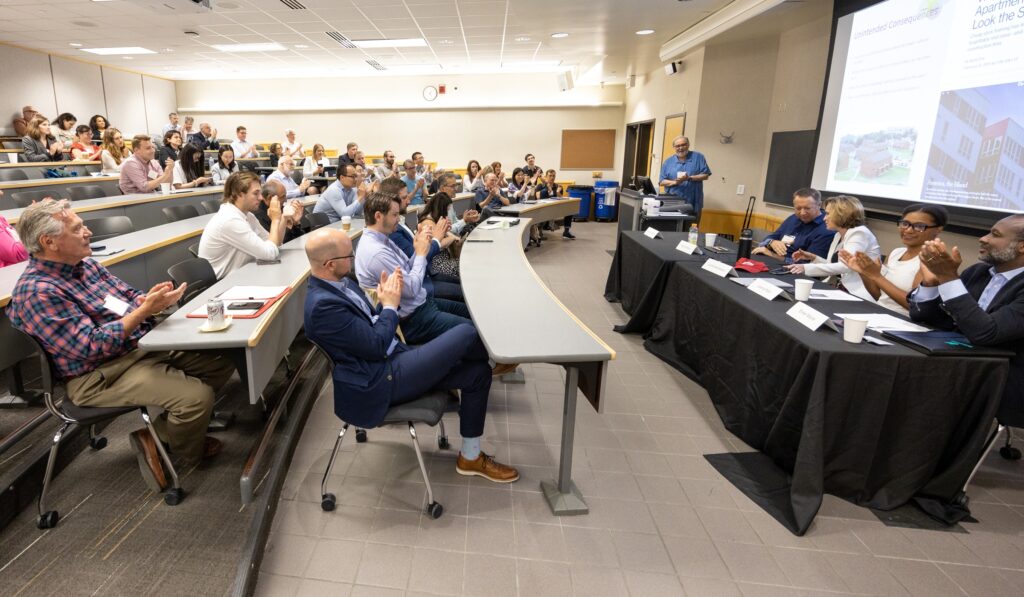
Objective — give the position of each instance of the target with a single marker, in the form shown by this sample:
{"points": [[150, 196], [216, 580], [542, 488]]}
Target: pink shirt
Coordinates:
{"points": [[11, 249], [135, 174]]}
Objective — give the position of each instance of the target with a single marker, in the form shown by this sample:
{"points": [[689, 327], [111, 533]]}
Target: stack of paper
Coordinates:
{"points": [[881, 322]]}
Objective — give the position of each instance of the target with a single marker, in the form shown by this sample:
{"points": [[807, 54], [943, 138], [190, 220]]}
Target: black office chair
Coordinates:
{"points": [[89, 191], [427, 409], [312, 221], [71, 414], [197, 272], [109, 227], [12, 175], [211, 206], [25, 198], [194, 249], [180, 212]]}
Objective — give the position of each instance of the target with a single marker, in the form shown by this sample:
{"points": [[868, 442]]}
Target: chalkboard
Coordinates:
{"points": [[592, 149], [790, 166]]}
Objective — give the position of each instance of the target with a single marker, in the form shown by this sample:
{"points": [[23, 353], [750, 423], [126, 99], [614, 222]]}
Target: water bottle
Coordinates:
{"points": [[213, 162], [694, 234]]}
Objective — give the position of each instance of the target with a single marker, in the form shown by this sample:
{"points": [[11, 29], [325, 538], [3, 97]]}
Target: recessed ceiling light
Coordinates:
{"points": [[118, 51], [412, 42], [128, 57], [75, 44], [446, 42], [559, 35], [301, 46], [645, 32], [262, 47], [523, 38]]}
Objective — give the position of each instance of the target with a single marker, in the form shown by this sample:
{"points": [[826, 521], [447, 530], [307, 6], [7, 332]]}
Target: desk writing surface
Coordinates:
{"points": [[87, 205], [544, 210], [47, 182], [518, 318]]}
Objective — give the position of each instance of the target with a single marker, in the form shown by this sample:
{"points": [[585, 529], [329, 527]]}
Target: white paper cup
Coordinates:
{"points": [[13, 157], [346, 222], [680, 174], [854, 328], [505, 224], [165, 187], [710, 239], [803, 289]]}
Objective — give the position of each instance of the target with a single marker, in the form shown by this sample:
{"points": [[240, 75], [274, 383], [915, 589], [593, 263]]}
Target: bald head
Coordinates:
{"points": [[328, 251], [273, 188]]}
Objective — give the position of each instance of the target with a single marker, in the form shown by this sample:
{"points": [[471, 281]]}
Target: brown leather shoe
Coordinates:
{"points": [[149, 460], [211, 447], [504, 369], [487, 467]]}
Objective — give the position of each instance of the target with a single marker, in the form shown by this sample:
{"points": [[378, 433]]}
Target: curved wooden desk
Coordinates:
{"points": [[59, 185], [145, 209]]}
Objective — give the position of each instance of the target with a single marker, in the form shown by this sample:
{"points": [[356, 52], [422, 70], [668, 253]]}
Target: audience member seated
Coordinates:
{"points": [[890, 284], [372, 369], [985, 303], [225, 165], [361, 158], [99, 125], [291, 146], [188, 128], [90, 322], [316, 165], [11, 249], [344, 197], [243, 149], [491, 196], [114, 152], [63, 128], [234, 236], [291, 211], [172, 125], [547, 189], [532, 170], [805, 230], [443, 267], [520, 188], [171, 146], [449, 183], [284, 174], [472, 173], [496, 168], [141, 173], [435, 185], [20, 123], [83, 148], [479, 182], [414, 183], [387, 169], [189, 170], [422, 169], [38, 145], [206, 138], [349, 157], [423, 318], [844, 215], [276, 150]]}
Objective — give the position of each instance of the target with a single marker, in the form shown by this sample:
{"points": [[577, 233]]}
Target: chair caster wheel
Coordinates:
{"points": [[442, 443], [174, 496], [361, 436], [1009, 453], [98, 443], [962, 500], [435, 510], [48, 520], [327, 502]]}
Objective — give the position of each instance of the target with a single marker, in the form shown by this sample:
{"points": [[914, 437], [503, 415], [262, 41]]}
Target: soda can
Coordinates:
{"points": [[215, 312]]}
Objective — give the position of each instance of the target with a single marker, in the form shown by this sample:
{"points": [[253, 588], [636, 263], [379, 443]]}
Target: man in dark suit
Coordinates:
{"points": [[985, 303], [374, 370], [205, 139]]}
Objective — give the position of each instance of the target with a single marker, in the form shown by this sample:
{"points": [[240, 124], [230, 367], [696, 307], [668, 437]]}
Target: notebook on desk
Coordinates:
{"points": [[943, 343]]}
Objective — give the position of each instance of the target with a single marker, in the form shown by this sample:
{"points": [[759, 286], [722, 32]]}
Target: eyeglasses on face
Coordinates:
{"points": [[917, 226], [339, 257]]}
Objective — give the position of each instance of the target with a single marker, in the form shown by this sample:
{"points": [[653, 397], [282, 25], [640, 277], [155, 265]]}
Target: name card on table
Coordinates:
{"points": [[718, 268], [651, 232], [764, 289], [686, 247], [811, 318]]}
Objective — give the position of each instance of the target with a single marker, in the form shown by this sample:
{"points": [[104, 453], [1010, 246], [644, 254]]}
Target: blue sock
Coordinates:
{"points": [[470, 448]]}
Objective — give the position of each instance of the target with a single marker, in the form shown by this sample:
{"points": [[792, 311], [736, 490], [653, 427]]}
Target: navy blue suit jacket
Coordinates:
{"points": [[362, 372], [403, 239]]}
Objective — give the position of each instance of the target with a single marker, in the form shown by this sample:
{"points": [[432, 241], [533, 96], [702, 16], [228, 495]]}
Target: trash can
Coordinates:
{"points": [[606, 205], [584, 194]]}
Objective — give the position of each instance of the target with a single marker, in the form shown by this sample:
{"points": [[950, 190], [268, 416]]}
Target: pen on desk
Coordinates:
{"points": [[479, 240]]}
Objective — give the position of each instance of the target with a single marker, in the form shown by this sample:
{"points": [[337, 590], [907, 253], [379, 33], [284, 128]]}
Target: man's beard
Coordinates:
{"points": [[999, 257]]}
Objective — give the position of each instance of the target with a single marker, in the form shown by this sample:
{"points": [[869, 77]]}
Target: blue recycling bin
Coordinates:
{"points": [[606, 205], [583, 193]]}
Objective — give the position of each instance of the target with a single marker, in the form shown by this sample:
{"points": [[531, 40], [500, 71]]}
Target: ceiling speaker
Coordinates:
{"points": [[673, 67]]}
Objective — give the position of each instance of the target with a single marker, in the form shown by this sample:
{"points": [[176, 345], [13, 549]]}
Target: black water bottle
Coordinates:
{"points": [[745, 245]]}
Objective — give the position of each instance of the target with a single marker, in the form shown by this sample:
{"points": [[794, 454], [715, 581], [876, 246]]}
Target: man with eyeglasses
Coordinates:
{"points": [[805, 230], [684, 173], [344, 197]]}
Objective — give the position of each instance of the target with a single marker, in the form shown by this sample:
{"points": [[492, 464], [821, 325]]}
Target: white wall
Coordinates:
{"points": [[55, 84]]}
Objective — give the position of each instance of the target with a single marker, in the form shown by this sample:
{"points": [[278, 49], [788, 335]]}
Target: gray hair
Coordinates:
{"points": [[680, 137], [289, 132], [41, 219]]}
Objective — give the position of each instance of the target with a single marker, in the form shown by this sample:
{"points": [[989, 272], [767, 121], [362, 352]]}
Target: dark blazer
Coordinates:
{"points": [[1001, 326], [404, 240], [34, 151], [363, 376], [202, 142]]}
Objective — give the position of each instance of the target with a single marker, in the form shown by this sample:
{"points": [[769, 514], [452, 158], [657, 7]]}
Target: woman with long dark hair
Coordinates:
{"points": [[189, 170], [99, 125], [225, 166]]}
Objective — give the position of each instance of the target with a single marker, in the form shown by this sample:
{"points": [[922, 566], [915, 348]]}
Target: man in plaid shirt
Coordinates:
{"points": [[89, 322]]}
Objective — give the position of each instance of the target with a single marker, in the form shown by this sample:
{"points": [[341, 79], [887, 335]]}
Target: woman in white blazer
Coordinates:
{"points": [[845, 215]]}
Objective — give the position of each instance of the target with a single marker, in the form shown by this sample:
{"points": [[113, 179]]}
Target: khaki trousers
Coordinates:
{"points": [[181, 383]]}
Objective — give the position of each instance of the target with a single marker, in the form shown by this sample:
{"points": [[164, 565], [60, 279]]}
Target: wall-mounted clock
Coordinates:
{"points": [[430, 93]]}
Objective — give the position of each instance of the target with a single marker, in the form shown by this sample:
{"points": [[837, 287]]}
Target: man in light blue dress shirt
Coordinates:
{"points": [[343, 198], [684, 173]]}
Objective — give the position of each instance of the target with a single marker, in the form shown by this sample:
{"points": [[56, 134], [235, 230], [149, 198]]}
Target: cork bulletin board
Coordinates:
{"points": [[590, 149]]}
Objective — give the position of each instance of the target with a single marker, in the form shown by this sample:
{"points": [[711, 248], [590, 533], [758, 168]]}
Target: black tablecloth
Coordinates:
{"points": [[878, 426], [637, 277]]}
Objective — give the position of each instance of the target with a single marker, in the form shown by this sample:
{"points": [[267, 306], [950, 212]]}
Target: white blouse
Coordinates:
{"points": [[856, 239], [309, 165], [901, 274], [109, 165], [232, 238]]}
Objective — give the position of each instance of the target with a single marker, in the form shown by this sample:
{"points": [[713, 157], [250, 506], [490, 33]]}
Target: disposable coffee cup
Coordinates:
{"points": [[346, 222], [680, 174], [803, 289], [854, 328], [13, 157], [505, 224], [165, 188], [710, 239]]}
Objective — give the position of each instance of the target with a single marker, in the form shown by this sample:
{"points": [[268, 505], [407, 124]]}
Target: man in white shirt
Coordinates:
{"points": [[234, 236], [291, 146], [241, 147], [283, 174], [172, 124]]}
